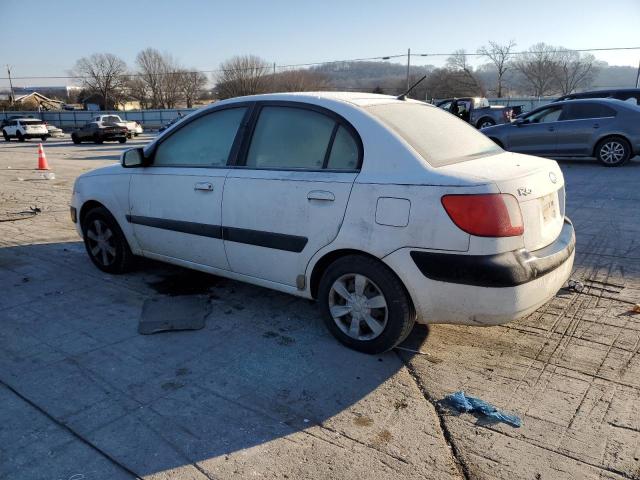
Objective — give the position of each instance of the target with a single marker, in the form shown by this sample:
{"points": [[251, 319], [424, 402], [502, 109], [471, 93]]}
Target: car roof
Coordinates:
{"points": [[360, 99]]}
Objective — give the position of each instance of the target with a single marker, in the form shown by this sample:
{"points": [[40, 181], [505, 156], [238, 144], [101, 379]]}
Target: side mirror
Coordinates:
{"points": [[133, 158], [520, 121]]}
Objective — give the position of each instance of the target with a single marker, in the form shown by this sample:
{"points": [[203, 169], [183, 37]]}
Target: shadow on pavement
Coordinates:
{"points": [[264, 367]]}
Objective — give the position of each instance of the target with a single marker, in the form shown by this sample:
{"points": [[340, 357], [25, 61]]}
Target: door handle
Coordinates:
{"points": [[551, 129], [596, 125], [205, 186], [321, 195]]}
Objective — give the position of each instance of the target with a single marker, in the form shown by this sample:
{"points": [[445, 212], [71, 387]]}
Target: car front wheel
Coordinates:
{"points": [[20, 137], [364, 304], [105, 243], [613, 151], [7, 138], [75, 139]]}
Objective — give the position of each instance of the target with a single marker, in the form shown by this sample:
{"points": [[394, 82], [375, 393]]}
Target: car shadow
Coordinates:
{"points": [[263, 368]]}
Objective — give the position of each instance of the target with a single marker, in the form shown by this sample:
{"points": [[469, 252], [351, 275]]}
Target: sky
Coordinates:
{"points": [[49, 38]]}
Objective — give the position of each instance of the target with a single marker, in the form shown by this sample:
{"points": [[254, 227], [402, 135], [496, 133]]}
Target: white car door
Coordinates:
{"points": [[176, 201], [287, 197]]}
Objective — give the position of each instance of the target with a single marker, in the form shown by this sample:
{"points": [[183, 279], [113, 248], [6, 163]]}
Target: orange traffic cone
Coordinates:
{"points": [[42, 159]]}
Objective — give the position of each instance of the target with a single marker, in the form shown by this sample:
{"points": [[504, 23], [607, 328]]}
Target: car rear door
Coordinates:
{"points": [[537, 133], [176, 202], [287, 197], [579, 124]]}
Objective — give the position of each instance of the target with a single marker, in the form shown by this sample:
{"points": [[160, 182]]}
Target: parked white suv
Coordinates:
{"points": [[386, 211], [24, 128]]}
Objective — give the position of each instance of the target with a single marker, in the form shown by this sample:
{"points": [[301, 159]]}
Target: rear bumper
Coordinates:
{"points": [[503, 270], [487, 289]]}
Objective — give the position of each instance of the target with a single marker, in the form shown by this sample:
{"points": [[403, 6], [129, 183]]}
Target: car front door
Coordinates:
{"points": [[175, 203], [536, 134], [579, 124], [287, 197]]}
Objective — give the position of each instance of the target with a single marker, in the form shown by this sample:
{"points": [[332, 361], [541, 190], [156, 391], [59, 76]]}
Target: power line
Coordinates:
{"points": [[311, 64]]}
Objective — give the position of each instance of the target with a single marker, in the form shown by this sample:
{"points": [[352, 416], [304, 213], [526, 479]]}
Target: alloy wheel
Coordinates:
{"points": [[612, 152], [358, 307], [101, 242]]}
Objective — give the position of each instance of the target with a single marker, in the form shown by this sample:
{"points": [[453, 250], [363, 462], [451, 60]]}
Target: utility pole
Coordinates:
{"points": [[638, 75], [408, 66], [11, 86], [274, 69]]}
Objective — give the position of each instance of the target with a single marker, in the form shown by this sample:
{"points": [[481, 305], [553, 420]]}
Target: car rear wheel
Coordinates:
{"points": [[75, 139], [105, 243], [364, 304], [44, 138], [486, 122], [20, 137], [613, 151], [122, 140], [7, 138]]}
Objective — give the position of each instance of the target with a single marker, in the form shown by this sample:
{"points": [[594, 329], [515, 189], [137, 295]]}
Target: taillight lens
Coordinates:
{"points": [[485, 215]]}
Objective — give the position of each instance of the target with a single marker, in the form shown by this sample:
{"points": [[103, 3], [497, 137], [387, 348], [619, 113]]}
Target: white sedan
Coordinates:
{"points": [[386, 211]]}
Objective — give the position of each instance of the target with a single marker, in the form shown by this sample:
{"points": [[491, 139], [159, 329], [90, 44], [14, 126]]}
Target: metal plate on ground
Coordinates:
{"points": [[166, 314]]}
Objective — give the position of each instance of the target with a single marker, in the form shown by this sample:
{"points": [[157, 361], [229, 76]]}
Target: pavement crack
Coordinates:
{"points": [[65, 427], [458, 460]]}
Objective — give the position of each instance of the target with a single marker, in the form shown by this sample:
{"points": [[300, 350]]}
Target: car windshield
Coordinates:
{"points": [[439, 137], [111, 118], [31, 122]]}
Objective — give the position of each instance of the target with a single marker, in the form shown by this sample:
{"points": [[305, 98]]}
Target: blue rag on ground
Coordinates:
{"points": [[465, 403]]}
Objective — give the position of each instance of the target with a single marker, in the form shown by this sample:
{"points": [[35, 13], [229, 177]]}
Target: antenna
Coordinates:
{"points": [[404, 95]]}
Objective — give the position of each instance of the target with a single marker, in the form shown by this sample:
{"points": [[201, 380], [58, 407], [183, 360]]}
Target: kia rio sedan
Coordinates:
{"points": [[385, 211]]}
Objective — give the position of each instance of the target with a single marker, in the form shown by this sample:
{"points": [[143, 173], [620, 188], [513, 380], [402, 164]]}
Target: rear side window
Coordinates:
{"points": [[289, 137], [203, 142], [580, 111], [439, 137], [344, 152]]}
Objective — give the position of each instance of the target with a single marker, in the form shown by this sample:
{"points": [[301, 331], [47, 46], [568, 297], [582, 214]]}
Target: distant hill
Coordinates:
{"points": [[391, 77]]}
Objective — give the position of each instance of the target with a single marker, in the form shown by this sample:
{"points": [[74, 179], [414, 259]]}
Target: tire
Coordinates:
{"points": [[485, 122], [613, 151], [7, 138], [20, 137], [105, 243], [44, 139], [122, 140], [75, 139], [394, 321]]}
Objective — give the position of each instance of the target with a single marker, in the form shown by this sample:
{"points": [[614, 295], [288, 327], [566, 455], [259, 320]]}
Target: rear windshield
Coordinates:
{"points": [[31, 122], [439, 137], [111, 118]]}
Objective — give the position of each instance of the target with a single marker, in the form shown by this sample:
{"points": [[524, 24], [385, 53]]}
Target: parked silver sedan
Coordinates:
{"points": [[603, 128]]}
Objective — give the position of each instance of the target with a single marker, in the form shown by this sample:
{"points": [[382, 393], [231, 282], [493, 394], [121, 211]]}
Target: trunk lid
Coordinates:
{"points": [[537, 184]]}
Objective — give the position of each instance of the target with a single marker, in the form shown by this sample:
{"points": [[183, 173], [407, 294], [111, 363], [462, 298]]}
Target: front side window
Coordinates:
{"points": [[111, 119], [438, 137], [289, 137], [545, 116], [203, 142]]}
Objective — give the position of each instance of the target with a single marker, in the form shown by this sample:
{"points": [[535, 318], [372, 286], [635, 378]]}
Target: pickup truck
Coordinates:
{"points": [[134, 128], [478, 112]]}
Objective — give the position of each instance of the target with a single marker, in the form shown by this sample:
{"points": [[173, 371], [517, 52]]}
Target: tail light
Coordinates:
{"points": [[485, 215]]}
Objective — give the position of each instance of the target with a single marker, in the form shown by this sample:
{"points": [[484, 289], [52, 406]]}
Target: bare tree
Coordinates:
{"points": [[243, 75], [191, 85], [138, 90], [573, 70], [298, 81], [151, 68], [500, 56], [464, 75], [104, 74], [538, 67]]}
